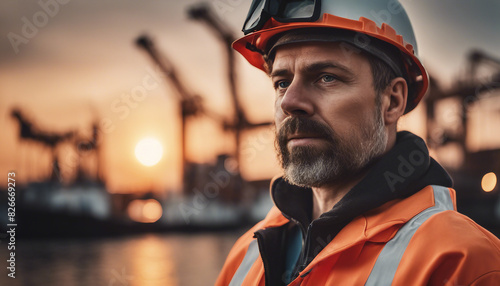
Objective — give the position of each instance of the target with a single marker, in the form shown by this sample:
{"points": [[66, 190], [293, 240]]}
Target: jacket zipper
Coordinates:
{"points": [[302, 262]]}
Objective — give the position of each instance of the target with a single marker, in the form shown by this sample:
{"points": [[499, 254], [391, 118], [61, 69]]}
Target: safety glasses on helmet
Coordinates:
{"points": [[284, 11]]}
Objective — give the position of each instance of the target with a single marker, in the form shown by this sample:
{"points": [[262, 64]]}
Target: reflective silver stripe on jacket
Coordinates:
{"points": [[249, 259], [388, 260]]}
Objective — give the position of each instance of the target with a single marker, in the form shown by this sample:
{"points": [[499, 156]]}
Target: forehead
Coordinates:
{"points": [[298, 55]]}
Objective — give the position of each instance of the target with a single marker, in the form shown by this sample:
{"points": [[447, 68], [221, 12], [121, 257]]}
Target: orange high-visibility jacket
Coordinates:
{"points": [[419, 240]]}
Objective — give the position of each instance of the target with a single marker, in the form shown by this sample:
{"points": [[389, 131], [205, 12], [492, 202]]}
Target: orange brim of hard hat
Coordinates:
{"points": [[253, 46]]}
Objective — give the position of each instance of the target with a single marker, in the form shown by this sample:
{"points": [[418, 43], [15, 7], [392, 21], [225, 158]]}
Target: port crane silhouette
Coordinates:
{"points": [[468, 91], [192, 104], [30, 132]]}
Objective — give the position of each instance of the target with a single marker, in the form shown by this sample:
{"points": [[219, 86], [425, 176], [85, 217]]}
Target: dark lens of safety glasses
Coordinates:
{"points": [[281, 10], [255, 16], [296, 9]]}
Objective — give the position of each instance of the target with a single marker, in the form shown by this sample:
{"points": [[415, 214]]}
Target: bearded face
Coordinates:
{"points": [[328, 114], [337, 158]]}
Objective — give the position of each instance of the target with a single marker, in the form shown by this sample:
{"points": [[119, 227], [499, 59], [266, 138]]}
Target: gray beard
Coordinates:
{"points": [[344, 158]]}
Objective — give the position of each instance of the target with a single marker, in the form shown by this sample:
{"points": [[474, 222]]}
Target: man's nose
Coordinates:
{"points": [[297, 100]]}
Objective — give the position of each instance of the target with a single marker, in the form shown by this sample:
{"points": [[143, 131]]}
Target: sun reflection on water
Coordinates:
{"points": [[168, 259]]}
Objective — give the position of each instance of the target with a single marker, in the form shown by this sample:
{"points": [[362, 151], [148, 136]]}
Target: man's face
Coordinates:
{"points": [[328, 122]]}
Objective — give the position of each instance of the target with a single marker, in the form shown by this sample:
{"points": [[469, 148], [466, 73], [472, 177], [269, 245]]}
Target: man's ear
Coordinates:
{"points": [[394, 100]]}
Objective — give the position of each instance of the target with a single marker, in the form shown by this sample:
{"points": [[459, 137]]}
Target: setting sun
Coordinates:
{"points": [[148, 151]]}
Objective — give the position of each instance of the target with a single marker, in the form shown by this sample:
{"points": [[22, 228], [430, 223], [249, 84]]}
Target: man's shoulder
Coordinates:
{"points": [[451, 248], [237, 253], [452, 242], [451, 229]]}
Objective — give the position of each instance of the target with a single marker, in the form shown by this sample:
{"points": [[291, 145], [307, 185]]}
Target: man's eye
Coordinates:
{"points": [[328, 78], [282, 84]]}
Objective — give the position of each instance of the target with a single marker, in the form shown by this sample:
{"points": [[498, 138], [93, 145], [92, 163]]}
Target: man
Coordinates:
{"points": [[359, 202]]}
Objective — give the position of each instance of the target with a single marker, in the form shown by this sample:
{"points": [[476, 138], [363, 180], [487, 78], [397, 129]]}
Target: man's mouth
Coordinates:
{"points": [[301, 136], [303, 139]]}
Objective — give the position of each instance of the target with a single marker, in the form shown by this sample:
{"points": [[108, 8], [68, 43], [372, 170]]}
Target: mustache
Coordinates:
{"points": [[304, 125]]}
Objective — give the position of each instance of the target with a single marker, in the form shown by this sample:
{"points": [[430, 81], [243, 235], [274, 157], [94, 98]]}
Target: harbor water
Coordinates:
{"points": [[170, 259]]}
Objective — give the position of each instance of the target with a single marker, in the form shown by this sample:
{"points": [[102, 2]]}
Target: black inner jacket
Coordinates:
{"points": [[403, 171]]}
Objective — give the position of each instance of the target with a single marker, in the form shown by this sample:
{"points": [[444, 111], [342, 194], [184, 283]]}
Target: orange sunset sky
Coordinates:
{"points": [[79, 66]]}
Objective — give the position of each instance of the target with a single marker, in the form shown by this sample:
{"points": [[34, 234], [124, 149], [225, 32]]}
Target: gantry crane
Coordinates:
{"points": [[29, 131], [240, 122], [190, 104], [467, 90], [477, 167]]}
